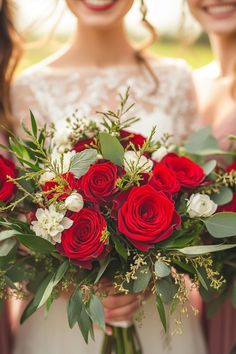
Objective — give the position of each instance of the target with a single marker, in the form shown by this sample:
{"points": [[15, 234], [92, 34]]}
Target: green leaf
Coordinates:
{"points": [[209, 166], [95, 311], [82, 161], [9, 282], [6, 247], [33, 124], [199, 250], [36, 243], [61, 272], [161, 269], [166, 289], [221, 225], [84, 323], [201, 278], [7, 234], [143, 275], [120, 248], [33, 305], [223, 197], [74, 307], [161, 311], [203, 143], [111, 148], [56, 278], [103, 266]]}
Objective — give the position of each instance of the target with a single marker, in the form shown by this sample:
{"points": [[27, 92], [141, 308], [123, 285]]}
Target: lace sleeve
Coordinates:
{"points": [[23, 99], [187, 118]]}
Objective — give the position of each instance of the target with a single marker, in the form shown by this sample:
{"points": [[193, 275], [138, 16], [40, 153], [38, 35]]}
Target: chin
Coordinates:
{"points": [[99, 13]]}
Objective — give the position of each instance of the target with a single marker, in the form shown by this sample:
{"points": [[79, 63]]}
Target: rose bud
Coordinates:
{"points": [[159, 154], [74, 202], [200, 205]]}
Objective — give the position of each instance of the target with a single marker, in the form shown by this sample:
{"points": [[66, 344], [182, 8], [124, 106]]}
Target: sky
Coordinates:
{"points": [[164, 14]]}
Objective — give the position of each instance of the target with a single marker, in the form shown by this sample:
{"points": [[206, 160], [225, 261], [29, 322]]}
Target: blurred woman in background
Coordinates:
{"points": [[99, 62], [216, 88], [10, 51]]}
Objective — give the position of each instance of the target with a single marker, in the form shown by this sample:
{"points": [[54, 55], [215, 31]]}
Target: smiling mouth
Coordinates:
{"points": [[220, 9], [99, 5]]}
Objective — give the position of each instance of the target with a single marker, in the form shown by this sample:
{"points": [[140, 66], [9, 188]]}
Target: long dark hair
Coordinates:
{"points": [[10, 53]]}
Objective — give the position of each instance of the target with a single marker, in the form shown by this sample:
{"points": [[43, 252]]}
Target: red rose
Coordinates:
{"points": [[147, 217], [7, 188], [83, 243], [231, 206], [187, 172], [164, 179], [61, 189], [83, 144], [127, 137], [231, 167], [99, 183]]}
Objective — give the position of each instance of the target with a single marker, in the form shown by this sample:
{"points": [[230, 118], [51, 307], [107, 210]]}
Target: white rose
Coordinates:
{"points": [[200, 205], [74, 202], [159, 154], [63, 161], [50, 224], [45, 177], [132, 160]]}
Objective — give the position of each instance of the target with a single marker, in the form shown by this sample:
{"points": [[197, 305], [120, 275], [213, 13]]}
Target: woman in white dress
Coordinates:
{"points": [[87, 75]]}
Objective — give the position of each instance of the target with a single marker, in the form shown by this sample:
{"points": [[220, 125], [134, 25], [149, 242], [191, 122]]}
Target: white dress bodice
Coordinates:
{"points": [[54, 94]]}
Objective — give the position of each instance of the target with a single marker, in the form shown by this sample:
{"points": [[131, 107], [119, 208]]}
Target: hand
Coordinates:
{"points": [[118, 307]]}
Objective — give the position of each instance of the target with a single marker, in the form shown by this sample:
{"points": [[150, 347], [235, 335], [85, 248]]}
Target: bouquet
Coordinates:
{"points": [[104, 202], [204, 148]]}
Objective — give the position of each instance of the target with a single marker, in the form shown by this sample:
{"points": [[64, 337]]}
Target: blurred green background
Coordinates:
{"points": [[196, 54]]}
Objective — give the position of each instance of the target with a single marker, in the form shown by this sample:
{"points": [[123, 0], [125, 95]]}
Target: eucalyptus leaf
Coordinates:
{"points": [[203, 143], [82, 161], [85, 324], [120, 248], [209, 166], [162, 269], [103, 266], [223, 197], [33, 304], [6, 247], [143, 276], [166, 289], [161, 311], [7, 234], [201, 278], [74, 307], [199, 250], [36, 243], [95, 311], [111, 148], [221, 225], [56, 278]]}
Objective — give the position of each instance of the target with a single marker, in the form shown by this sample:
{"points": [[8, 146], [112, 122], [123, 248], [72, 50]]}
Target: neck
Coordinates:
{"points": [[224, 49], [101, 47]]}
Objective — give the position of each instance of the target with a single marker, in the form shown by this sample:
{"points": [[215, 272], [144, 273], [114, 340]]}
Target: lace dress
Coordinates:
{"points": [[54, 94]]}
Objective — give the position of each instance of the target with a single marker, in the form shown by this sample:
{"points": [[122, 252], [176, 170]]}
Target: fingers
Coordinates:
{"points": [[122, 313], [117, 301]]}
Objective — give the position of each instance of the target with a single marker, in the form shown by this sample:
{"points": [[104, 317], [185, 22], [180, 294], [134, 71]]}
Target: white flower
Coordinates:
{"points": [[45, 177], [132, 160], [50, 224], [74, 202], [61, 139], [200, 205], [159, 154], [63, 161]]}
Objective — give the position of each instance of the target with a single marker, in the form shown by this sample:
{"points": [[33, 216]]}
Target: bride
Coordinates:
{"points": [[98, 63]]}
